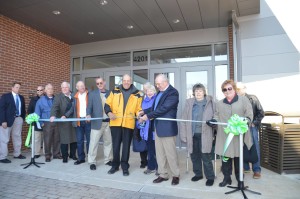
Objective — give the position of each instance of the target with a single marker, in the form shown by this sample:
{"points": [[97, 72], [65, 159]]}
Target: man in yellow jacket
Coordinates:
{"points": [[122, 107]]}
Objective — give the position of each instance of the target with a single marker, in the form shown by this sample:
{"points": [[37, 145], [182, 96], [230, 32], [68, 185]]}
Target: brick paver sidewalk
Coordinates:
{"points": [[23, 186]]}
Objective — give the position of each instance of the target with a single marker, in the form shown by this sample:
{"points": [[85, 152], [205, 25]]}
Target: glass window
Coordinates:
{"points": [[115, 81], [75, 79], [140, 58], [193, 78], [90, 83], [221, 74], [179, 55], [140, 77], [220, 52], [76, 64], [106, 61]]}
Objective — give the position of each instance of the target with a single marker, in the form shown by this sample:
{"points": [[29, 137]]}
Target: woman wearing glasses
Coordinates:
{"points": [[230, 105]]}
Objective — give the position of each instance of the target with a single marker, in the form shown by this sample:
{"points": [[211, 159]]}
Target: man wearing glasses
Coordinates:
{"points": [[100, 128], [38, 132]]}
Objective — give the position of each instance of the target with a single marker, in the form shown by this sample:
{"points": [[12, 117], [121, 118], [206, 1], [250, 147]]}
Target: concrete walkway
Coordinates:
{"points": [[58, 180]]}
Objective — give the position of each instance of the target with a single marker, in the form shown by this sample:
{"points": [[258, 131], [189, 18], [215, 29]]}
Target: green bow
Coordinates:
{"points": [[33, 117], [236, 125]]}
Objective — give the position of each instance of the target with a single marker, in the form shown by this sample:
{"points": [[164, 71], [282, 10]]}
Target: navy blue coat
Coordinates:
{"points": [[8, 109], [166, 108]]}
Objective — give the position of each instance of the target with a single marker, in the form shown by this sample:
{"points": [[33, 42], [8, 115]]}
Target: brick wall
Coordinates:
{"points": [[32, 58], [231, 58]]}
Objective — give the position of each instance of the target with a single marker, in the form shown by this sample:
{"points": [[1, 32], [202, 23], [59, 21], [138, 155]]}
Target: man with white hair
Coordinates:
{"points": [[258, 115], [63, 108], [164, 106], [83, 128]]}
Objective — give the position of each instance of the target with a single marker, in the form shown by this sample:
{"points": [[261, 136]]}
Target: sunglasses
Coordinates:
{"points": [[39, 90], [99, 83], [227, 89]]}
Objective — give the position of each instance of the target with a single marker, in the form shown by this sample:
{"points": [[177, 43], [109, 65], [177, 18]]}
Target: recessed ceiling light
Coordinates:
{"points": [[103, 2], [130, 27], [91, 33], [176, 21], [56, 12]]}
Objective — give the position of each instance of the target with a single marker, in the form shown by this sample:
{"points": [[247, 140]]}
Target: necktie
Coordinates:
{"points": [[17, 105]]}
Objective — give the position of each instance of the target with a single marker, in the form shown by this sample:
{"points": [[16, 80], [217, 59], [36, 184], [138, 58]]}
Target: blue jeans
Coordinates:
{"points": [[256, 166], [83, 129], [152, 164]]}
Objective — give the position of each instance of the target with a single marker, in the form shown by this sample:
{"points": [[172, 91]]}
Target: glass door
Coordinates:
{"points": [[196, 74], [89, 80], [114, 78]]}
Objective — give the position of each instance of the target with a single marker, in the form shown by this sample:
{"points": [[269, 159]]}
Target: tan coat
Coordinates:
{"points": [[186, 134], [241, 107]]}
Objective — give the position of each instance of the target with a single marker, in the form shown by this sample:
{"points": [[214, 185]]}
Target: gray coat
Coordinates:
{"points": [[95, 109], [186, 133], [224, 111], [59, 109]]}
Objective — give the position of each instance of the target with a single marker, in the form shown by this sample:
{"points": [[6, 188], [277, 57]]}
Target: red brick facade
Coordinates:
{"points": [[32, 58]]}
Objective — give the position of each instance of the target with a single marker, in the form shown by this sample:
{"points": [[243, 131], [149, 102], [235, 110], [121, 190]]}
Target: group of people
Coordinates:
{"points": [[114, 115]]}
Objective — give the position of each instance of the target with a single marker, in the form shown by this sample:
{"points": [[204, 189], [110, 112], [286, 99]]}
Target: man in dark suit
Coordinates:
{"points": [[165, 106], [12, 115]]}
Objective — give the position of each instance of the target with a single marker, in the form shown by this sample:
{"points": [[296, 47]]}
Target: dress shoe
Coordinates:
{"points": [[109, 163], [37, 156], [79, 162], [65, 159], [175, 181], [57, 157], [113, 170], [125, 173], [5, 161], [209, 183], [47, 160], [73, 157], [225, 182], [256, 175], [160, 179], [20, 157], [196, 178], [93, 167]]}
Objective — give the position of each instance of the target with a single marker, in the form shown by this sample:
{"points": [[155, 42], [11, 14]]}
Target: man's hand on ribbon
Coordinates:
{"points": [[140, 114], [111, 116], [88, 117], [52, 118], [143, 118], [211, 123], [4, 125]]}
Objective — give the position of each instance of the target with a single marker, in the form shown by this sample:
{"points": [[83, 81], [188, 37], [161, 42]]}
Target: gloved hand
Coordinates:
{"points": [[248, 121], [209, 123]]}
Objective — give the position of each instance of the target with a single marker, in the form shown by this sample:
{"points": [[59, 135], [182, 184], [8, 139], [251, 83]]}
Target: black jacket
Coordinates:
{"points": [[258, 111]]}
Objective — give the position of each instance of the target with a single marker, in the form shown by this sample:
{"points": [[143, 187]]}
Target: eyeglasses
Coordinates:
{"points": [[39, 90], [99, 83], [227, 89]]}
